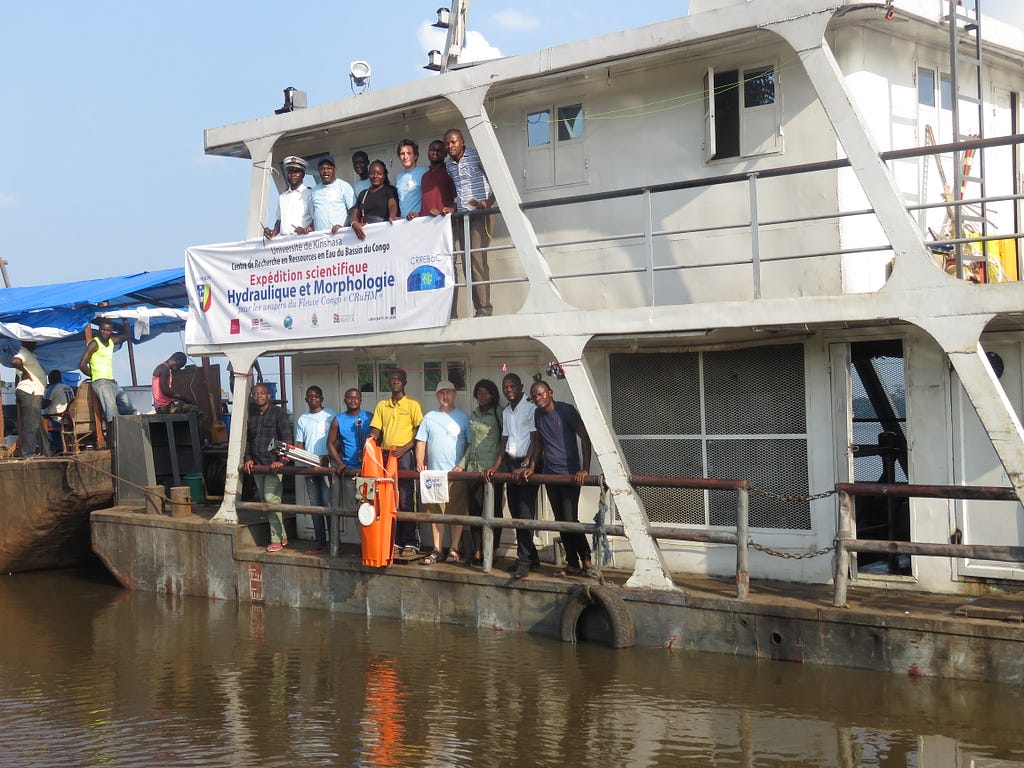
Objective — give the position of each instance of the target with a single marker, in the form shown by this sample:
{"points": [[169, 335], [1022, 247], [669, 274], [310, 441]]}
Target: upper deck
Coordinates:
{"points": [[701, 170]]}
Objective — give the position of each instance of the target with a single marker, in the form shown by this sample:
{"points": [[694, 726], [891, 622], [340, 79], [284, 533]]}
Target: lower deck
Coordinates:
{"points": [[882, 630]]}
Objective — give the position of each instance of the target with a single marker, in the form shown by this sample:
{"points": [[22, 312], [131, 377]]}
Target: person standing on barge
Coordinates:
{"points": [[558, 426], [267, 423], [393, 427], [345, 439], [472, 192], [332, 199], [311, 435], [519, 434], [295, 204], [441, 443], [97, 362], [29, 396]]}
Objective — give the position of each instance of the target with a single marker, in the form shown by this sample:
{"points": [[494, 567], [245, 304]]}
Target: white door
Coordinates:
{"points": [[975, 463]]}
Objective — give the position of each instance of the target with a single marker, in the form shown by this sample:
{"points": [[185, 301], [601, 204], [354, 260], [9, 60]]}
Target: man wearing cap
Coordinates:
{"points": [[332, 198], [441, 443], [295, 204]]}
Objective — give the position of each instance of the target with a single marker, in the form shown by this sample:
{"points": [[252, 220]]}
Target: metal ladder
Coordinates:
{"points": [[965, 53]]}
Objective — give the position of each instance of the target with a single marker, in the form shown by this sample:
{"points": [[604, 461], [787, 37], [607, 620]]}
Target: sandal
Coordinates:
{"points": [[569, 570], [453, 556], [432, 558]]}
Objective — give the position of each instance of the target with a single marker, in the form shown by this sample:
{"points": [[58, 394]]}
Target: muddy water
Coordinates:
{"points": [[91, 675]]}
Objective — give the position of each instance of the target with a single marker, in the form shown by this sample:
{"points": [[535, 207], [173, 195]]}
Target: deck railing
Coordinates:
{"points": [[488, 522], [846, 541], [754, 227]]}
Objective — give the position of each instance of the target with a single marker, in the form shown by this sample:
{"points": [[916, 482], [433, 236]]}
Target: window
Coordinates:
{"points": [[555, 151], [742, 116], [926, 91], [436, 372], [737, 414]]}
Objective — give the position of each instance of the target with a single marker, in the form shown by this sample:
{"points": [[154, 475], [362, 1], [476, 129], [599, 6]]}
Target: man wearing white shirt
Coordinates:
{"points": [[519, 430], [29, 395], [295, 204]]}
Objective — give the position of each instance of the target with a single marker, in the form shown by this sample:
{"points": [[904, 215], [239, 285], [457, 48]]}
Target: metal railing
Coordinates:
{"points": [[488, 522], [846, 541], [755, 225]]}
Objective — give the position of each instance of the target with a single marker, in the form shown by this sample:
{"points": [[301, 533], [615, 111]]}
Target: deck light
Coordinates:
{"points": [[434, 61], [359, 73], [443, 18], [293, 99]]}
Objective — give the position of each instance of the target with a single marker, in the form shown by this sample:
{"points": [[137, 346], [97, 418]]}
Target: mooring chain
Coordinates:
{"points": [[789, 555], [792, 497]]}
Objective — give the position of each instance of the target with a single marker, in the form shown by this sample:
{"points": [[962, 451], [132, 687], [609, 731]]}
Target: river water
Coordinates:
{"points": [[93, 675]]}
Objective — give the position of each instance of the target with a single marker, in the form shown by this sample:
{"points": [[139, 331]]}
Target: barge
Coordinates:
{"points": [[774, 242]]}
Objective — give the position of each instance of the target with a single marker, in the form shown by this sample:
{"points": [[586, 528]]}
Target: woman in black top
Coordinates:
{"points": [[378, 202]]}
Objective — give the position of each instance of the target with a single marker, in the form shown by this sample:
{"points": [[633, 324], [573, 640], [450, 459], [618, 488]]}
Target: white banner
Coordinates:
{"points": [[304, 286]]}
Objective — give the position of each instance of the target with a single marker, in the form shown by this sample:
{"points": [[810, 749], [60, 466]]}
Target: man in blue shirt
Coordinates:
{"points": [[558, 426], [345, 441], [472, 192], [409, 181], [311, 435], [332, 198], [441, 442]]}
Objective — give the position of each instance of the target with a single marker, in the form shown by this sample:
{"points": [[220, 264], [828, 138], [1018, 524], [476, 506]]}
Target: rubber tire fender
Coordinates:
{"points": [[620, 619]]}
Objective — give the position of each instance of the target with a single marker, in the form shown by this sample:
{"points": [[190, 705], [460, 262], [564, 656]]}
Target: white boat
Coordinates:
{"points": [[719, 229]]}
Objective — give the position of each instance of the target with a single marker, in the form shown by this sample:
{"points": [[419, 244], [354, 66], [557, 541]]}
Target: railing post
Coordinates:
{"points": [[488, 532], [742, 537], [842, 556], [755, 243], [467, 265], [649, 244]]}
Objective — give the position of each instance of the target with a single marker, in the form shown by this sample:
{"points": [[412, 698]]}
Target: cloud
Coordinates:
{"points": [[7, 201], [478, 49], [430, 37], [512, 18]]}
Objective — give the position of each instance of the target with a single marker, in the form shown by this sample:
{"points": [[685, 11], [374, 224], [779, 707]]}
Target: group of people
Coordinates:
{"points": [[527, 437], [454, 182], [48, 397]]}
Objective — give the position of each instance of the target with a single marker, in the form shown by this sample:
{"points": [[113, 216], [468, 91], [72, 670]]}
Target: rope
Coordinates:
{"points": [[599, 540], [118, 478]]}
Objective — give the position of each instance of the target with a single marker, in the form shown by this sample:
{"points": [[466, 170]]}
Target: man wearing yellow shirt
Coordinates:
{"points": [[98, 364], [394, 424]]}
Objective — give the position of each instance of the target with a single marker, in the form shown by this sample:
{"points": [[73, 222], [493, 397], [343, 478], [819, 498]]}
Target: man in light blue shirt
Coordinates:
{"points": [[311, 435], [441, 443], [409, 181], [332, 198]]}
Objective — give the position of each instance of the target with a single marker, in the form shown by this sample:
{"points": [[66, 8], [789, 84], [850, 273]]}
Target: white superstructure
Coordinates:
{"points": [[697, 222]]}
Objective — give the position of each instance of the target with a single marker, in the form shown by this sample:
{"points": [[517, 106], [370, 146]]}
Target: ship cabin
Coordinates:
{"points": [[772, 240]]}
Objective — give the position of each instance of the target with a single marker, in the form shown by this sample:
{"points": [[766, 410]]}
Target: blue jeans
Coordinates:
{"points": [[113, 399], [318, 490]]}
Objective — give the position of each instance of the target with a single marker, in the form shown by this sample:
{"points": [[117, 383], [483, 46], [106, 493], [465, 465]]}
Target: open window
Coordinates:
{"points": [[555, 147], [742, 115]]}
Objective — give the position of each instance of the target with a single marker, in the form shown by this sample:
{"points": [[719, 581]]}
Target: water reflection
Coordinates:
{"points": [[91, 675]]}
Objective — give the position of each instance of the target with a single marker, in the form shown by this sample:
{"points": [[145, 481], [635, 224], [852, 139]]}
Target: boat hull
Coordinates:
{"points": [[46, 515]]}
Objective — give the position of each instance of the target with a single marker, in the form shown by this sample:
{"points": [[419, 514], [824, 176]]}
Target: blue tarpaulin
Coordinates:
{"points": [[56, 315]]}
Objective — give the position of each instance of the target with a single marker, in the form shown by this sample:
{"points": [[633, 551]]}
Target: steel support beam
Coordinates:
{"points": [[241, 360], [543, 296], [649, 569]]}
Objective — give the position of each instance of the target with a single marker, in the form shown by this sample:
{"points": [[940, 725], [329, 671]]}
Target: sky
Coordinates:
{"points": [[109, 101]]}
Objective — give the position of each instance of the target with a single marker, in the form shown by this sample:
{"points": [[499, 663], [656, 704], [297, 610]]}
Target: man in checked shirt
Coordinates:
{"points": [[472, 191]]}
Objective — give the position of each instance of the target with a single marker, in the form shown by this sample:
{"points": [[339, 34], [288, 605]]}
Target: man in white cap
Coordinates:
{"points": [[441, 442], [295, 204]]}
